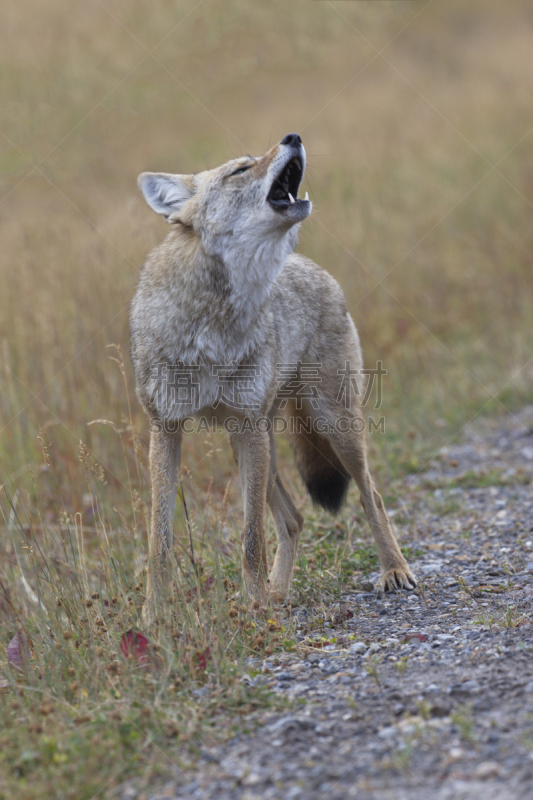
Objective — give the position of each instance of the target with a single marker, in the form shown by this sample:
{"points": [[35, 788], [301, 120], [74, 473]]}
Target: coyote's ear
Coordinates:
{"points": [[166, 194]]}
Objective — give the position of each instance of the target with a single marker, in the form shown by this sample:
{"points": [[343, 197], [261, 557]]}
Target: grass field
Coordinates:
{"points": [[418, 125]]}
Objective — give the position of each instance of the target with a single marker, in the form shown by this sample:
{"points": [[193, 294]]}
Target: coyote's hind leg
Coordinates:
{"points": [[289, 524], [350, 447]]}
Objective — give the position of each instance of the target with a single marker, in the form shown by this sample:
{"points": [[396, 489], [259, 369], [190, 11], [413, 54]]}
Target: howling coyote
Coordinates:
{"points": [[227, 323]]}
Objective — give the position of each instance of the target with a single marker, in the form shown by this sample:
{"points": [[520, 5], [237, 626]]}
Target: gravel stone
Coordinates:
{"points": [[358, 647], [487, 769]]}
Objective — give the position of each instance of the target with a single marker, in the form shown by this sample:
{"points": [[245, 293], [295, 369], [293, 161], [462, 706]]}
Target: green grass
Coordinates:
{"points": [[478, 479], [81, 708]]}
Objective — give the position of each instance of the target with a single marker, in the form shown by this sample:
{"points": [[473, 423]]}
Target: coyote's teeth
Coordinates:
{"points": [[306, 196], [291, 198]]}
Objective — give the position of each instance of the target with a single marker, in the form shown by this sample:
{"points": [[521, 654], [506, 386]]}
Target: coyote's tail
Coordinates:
{"points": [[320, 468]]}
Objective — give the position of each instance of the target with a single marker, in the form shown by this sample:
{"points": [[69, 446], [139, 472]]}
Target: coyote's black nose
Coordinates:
{"points": [[292, 139]]}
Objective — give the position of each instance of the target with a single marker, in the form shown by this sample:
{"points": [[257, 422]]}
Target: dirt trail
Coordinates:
{"points": [[433, 699]]}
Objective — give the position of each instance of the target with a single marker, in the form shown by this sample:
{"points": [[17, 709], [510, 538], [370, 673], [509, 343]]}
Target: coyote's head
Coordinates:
{"points": [[247, 200]]}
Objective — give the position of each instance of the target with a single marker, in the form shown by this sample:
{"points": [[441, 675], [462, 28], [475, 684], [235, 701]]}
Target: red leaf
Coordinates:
{"points": [[134, 645], [414, 635], [18, 651]]}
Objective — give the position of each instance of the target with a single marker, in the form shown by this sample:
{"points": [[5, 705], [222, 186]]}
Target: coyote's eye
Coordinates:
{"points": [[240, 170]]}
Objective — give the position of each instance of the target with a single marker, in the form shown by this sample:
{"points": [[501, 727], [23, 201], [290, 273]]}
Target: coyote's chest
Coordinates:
{"points": [[178, 389]]}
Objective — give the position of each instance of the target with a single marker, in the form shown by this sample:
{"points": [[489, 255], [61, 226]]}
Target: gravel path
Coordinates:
{"points": [[426, 696]]}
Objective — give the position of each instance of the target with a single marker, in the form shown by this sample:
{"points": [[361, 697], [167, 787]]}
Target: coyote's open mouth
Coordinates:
{"points": [[284, 190]]}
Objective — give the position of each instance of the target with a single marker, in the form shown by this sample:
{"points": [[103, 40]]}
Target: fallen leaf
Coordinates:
{"points": [[414, 635]]}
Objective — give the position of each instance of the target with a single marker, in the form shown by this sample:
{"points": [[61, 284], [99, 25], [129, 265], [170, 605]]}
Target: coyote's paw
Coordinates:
{"points": [[276, 596], [399, 577], [256, 589]]}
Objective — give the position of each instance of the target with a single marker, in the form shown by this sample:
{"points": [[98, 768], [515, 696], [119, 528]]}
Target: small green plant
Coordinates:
{"points": [[448, 506], [424, 709], [402, 757], [508, 617], [512, 617], [463, 719], [372, 668], [401, 666], [411, 553]]}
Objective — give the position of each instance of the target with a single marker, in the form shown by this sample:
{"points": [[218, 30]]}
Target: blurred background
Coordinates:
{"points": [[418, 124]]}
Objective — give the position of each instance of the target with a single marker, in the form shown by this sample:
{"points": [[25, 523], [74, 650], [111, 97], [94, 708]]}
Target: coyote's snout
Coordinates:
{"points": [[228, 323]]}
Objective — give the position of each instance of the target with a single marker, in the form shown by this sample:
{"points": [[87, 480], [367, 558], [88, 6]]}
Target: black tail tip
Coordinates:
{"points": [[329, 492]]}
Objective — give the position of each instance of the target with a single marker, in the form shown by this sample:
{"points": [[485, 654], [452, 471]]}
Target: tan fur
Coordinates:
{"points": [[225, 288]]}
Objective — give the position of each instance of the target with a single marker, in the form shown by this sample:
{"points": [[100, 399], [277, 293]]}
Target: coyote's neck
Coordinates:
{"points": [[252, 271], [218, 296]]}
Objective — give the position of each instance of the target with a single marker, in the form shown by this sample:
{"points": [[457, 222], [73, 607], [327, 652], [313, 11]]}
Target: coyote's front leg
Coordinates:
{"points": [[165, 457], [251, 451]]}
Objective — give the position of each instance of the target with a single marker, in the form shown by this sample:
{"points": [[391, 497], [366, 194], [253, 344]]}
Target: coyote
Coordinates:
{"points": [[223, 308]]}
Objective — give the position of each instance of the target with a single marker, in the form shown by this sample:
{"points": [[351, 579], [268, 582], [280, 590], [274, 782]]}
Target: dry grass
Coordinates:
{"points": [[420, 174]]}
